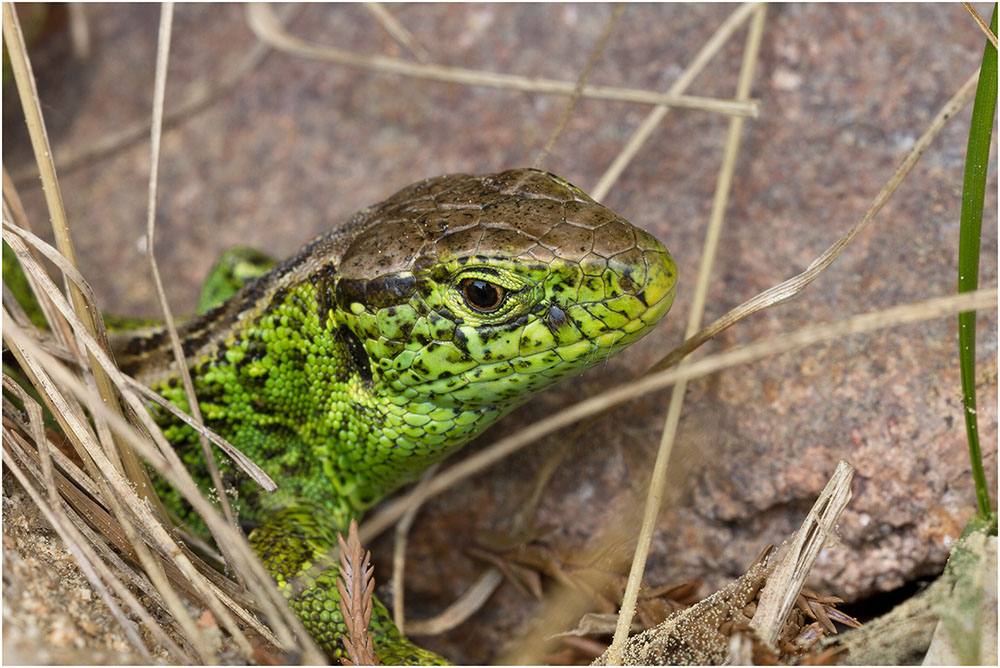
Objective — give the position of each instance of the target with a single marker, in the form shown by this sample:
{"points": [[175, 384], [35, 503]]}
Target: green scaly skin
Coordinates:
{"points": [[385, 345]]}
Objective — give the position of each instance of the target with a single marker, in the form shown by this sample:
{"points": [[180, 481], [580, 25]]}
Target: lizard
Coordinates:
{"points": [[385, 345]]}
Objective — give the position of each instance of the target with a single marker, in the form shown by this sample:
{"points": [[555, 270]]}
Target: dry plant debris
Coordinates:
{"points": [[717, 629], [779, 619], [357, 586], [697, 635]]}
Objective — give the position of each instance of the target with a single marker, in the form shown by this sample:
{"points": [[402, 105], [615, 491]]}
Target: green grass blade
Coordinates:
{"points": [[973, 192]]}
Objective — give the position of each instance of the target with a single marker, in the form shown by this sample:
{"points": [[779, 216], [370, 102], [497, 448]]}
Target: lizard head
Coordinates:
{"points": [[473, 293], [387, 344]]}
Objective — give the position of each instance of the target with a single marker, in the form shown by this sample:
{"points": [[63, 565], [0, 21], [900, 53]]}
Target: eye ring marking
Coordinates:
{"points": [[481, 295]]}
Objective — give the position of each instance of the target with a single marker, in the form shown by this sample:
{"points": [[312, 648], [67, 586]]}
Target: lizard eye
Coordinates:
{"points": [[481, 295]]}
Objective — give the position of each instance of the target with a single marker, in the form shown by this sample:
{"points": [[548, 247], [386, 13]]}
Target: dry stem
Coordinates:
{"points": [[262, 22]]}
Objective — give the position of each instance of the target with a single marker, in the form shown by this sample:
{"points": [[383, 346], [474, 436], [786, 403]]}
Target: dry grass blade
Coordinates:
{"points": [[398, 31], [262, 22], [595, 624], [79, 29], [247, 465], [785, 583], [159, 94], [36, 428], [25, 82], [981, 23], [357, 586], [469, 602]]}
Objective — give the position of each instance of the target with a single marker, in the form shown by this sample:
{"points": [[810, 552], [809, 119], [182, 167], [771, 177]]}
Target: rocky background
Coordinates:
{"points": [[845, 90]]}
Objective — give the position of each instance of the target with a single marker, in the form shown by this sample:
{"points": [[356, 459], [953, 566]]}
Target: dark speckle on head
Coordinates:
{"points": [[557, 317]]}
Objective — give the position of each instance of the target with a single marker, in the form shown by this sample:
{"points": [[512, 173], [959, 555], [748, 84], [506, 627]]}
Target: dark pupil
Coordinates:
{"points": [[481, 295]]}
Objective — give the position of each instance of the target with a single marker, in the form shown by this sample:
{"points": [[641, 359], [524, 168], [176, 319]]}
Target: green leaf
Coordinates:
{"points": [[973, 192]]}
